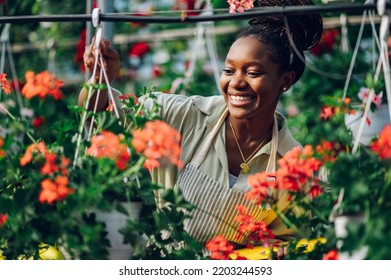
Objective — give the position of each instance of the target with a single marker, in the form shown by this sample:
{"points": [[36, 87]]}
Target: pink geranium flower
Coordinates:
{"points": [[240, 5]]}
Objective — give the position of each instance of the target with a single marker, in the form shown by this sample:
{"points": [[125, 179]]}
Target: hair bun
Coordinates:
{"points": [[305, 28], [266, 20]]}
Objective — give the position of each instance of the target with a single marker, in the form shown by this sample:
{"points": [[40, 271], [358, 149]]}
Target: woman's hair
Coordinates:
{"points": [[278, 34]]}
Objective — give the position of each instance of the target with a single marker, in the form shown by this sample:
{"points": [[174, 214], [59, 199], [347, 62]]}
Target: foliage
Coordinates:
{"points": [[49, 193]]}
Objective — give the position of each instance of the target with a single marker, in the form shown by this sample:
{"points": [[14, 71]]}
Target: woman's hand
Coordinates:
{"points": [[110, 57], [110, 62]]}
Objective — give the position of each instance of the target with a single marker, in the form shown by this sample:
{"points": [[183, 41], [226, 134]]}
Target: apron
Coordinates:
{"points": [[216, 203]]}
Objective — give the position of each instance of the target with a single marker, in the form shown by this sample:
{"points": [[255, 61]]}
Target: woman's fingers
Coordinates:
{"points": [[110, 58]]}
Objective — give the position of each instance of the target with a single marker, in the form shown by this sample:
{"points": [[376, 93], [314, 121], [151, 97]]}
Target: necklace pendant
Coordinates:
{"points": [[244, 167]]}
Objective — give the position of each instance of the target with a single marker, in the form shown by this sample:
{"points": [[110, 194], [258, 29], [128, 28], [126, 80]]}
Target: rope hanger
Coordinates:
{"points": [[103, 75]]}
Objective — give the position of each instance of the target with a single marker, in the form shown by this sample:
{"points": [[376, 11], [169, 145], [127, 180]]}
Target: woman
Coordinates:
{"points": [[227, 138]]}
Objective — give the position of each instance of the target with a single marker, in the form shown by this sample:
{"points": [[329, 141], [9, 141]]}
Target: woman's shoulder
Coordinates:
{"points": [[209, 104]]}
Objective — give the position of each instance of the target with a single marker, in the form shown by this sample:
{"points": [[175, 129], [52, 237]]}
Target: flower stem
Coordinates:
{"points": [[132, 170], [14, 119], [285, 219]]}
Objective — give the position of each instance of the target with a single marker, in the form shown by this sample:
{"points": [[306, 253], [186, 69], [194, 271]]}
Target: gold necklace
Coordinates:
{"points": [[244, 165]]}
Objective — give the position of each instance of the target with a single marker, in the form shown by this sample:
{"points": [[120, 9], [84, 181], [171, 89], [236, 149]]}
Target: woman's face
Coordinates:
{"points": [[250, 82]]}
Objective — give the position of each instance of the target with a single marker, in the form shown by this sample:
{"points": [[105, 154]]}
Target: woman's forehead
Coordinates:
{"points": [[248, 48]]}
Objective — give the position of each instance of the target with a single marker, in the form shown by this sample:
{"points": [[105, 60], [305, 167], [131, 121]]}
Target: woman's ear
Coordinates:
{"points": [[287, 80]]}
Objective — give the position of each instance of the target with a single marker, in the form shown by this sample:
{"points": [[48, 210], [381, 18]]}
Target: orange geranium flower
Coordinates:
{"points": [[220, 248], [159, 143], [54, 190], [51, 164], [4, 83], [382, 146], [108, 145], [33, 148], [41, 85]]}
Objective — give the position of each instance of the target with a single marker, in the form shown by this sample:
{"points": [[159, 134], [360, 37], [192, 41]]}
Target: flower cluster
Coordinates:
{"points": [[41, 191], [159, 143], [382, 145], [297, 174], [220, 248], [108, 145], [4, 83], [335, 107], [42, 84], [2, 152], [240, 5], [377, 99], [259, 233]]}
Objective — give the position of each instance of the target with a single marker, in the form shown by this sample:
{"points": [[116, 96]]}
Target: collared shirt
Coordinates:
{"points": [[193, 117]]}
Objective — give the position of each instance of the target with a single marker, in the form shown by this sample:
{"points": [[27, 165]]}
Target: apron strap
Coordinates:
{"points": [[271, 165], [205, 145]]}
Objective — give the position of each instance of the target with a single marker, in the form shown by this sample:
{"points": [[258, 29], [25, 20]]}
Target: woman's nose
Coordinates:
{"points": [[237, 81]]}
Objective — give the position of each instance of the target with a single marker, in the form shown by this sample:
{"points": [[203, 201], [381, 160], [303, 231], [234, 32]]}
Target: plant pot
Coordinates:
{"points": [[378, 120], [340, 225], [114, 221]]}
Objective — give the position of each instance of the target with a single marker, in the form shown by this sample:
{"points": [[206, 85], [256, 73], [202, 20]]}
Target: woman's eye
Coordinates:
{"points": [[253, 74], [228, 71]]}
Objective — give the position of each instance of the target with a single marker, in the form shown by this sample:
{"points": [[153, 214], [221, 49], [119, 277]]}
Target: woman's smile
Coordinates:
{"points": [[241, 100]]}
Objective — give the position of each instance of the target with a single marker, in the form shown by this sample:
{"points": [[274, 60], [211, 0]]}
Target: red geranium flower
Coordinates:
{"points": [[220, 248], [382, 146], [332, 255]]}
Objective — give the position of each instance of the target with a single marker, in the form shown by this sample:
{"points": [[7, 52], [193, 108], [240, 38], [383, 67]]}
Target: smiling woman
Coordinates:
{"points": [[227, 138]]}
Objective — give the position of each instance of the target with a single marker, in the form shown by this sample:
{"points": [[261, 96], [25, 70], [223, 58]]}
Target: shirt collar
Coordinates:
{"points": [[214, 106]]}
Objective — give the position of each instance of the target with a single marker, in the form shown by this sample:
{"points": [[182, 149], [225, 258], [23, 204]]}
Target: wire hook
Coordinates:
{"points": [[98, 26], [381, 7], [95, 17]]}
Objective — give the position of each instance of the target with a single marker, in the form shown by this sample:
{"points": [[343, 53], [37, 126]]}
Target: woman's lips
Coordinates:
{"points": [[241, 99]]}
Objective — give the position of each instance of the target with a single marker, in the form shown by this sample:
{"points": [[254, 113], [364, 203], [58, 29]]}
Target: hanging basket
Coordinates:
{"points": [[378, 120], [114, 221]]}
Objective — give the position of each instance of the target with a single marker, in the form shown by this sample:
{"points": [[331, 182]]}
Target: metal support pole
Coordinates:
{"points": [[108, 27]]}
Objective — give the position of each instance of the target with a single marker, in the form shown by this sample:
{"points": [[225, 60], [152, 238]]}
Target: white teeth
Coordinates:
{"points": [[240, 98]]}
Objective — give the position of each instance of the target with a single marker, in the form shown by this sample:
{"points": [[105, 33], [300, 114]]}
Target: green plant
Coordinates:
{"points": [[50, 195]]}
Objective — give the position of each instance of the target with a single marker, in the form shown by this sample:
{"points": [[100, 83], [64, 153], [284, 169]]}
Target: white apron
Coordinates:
{"points": [[215, 203]]}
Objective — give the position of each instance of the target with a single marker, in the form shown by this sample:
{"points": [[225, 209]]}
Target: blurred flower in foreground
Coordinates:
{"points": [[220, 248], [382, 146]]}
